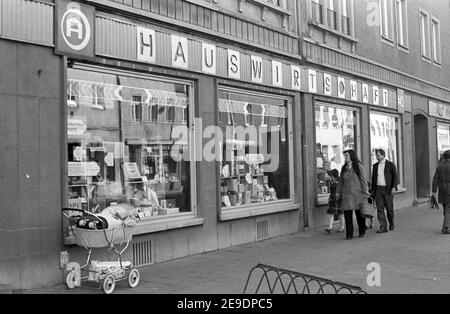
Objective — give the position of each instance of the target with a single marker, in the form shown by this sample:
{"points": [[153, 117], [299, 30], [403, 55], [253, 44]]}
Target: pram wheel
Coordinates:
{"points": [[72, 279], [109, 284], [133, 278]]}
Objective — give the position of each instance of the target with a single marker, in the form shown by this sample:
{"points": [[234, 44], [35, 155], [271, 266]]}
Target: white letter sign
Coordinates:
{"points": [[277, 74], [376, 96], [257, 69], [327, 91], [353, 91], [296, 77], [179, 52], [365, 93], [209, 58], [385, 98], [341, 87], [234, 64], [146, 45], [312, 81]]}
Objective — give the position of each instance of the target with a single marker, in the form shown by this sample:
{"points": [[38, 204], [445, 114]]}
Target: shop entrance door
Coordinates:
{"points": [[422, 157]]}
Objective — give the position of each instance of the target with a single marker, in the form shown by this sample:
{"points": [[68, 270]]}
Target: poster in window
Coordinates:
{"points": [[131, 171]]}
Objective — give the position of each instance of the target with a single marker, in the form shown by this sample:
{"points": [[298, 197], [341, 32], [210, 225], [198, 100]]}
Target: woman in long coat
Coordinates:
{"points": [[354, 191]]}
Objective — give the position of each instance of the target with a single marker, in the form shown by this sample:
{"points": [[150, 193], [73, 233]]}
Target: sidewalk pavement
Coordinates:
{"points": [[414, 259]]}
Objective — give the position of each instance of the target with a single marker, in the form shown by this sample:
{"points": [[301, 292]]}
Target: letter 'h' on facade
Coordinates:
{"points": [[146, 45]]}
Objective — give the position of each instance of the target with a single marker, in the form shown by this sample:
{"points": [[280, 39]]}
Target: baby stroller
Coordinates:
{"points": [[91, 231]]}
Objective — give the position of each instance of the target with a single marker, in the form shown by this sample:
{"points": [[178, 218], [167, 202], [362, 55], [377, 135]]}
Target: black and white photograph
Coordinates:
{"points": [[223, 153]]}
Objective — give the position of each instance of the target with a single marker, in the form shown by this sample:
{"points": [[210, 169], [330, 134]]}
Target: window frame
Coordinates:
{"points": [[255, 209], [317, 6], [440, 122], [322, 199], [387, 15], [425, 40], [154, 224], [400, 163], [435, 47], [401, 11]]}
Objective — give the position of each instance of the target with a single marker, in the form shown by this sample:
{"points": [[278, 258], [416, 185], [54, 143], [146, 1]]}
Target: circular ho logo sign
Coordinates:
{"points": [[75, 29]]}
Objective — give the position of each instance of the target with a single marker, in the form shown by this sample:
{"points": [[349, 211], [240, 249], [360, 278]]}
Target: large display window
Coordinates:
{"points": [[385, 134], [256, 162], [443, 138], [120, 144], [337, 130]]}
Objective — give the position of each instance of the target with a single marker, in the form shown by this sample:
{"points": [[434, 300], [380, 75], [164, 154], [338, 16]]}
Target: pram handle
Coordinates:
{"points": [[97, 219], [73, 210]]}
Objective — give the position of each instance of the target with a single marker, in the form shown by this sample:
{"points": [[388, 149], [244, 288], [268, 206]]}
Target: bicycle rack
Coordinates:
{"points": [[275, 280]]}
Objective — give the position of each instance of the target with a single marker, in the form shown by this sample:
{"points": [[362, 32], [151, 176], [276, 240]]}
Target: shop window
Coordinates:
{"points": [[332, 140], [388, 140], [443, 138], [256, 163], [125, 153]]}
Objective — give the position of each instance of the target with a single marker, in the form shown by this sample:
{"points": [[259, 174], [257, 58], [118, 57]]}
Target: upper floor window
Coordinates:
{"points": [[345, 19], [424, 34], [333, 14], [332, 18], [316, 7], [386, 20], [435, 40], [402, 23]]}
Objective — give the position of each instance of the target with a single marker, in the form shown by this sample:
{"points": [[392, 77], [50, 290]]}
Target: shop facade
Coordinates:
{"points": [[207, 128], [354, 113], [232, 137]]}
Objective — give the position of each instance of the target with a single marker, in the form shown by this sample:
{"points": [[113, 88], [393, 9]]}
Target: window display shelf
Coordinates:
{"points": [[159, 224], [256, 210]]}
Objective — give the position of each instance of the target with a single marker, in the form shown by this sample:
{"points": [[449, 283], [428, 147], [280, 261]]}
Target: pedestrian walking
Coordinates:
{"points": [[334, 203], [384, 185], [441, 181], [369, 221], [354, 191]]}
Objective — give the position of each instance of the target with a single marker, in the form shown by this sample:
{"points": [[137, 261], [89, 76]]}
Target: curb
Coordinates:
{"points": [[5, 289]]}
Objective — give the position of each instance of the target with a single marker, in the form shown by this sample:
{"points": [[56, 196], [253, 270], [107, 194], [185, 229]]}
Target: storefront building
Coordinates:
{"points": [[127, 104], [228, 113], [377, 80]]}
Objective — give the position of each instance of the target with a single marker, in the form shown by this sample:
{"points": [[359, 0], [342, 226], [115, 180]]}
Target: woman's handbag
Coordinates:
{"points": [[368, 209]]}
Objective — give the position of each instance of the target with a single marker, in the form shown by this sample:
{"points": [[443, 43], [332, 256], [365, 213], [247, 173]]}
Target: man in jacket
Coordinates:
{"points": [[384, 185], [441, 180]]}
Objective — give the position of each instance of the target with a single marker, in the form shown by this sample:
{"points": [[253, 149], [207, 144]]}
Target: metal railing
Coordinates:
{"points": [[274, 280], [345, 25], [331, 19], [317, 15]]}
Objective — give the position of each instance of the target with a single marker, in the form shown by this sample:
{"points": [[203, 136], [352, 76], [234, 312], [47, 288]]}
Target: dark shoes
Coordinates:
{"points": [[382, 231], [391, 228], [362, 235], [329, 231], [445, 231]]}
